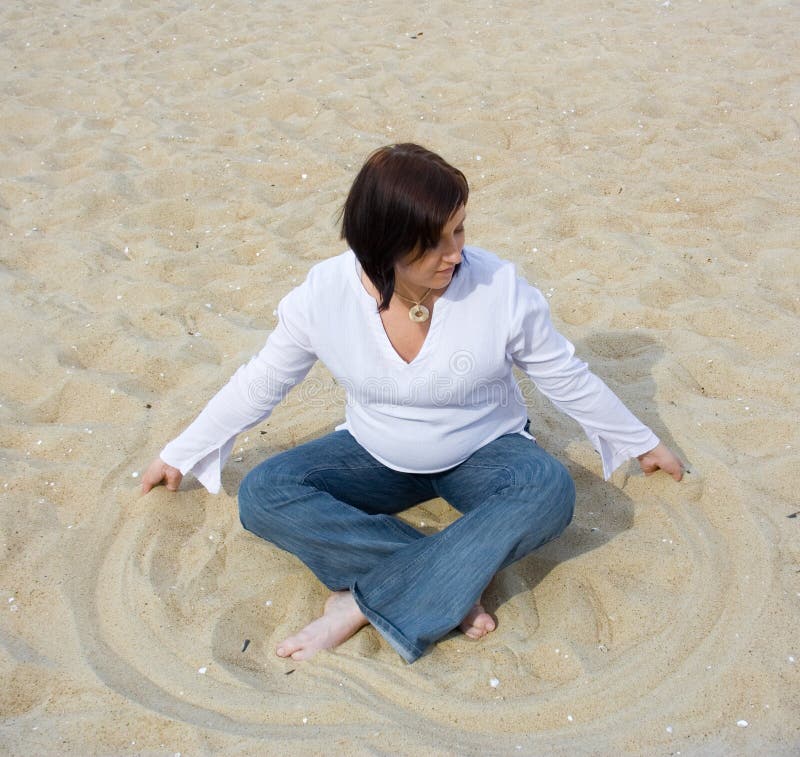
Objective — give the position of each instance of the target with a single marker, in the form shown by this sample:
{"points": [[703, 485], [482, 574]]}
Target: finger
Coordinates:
{"points": [[677, 472], [648, 467], [673, 467], [173, 479], [149, 482]]}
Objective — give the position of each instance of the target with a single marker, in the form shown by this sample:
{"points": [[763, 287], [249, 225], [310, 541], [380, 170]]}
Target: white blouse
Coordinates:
{"points": [[429, 415]]}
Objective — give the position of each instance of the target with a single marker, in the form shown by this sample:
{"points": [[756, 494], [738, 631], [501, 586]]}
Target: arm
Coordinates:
{"points": [[549, 360], [248, 398]]}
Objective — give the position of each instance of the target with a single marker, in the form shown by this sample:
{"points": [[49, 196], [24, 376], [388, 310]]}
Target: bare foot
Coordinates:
{"points": [[477, 623], [340, 620]]}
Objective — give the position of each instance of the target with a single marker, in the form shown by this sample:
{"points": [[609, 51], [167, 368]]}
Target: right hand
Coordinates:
{"points": [[157, 472]]}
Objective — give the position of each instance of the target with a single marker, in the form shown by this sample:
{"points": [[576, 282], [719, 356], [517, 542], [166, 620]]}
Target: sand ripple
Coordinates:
{"points": [[169, 171]]}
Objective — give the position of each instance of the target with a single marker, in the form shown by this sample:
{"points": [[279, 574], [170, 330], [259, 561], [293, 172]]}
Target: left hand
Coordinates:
{"points": [[157, 472], [663, 458]]}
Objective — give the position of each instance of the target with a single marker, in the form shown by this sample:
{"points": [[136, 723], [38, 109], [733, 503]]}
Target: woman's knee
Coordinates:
{"points": [[566, 499], [566, 488], [250, 498], [551, 482], [259, 494], [563, 493]]}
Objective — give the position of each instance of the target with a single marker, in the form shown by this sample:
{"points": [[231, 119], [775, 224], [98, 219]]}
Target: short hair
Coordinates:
{"points": [[400, 200]]}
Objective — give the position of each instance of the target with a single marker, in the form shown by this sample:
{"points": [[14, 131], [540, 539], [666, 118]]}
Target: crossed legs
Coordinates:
{"points": [[331, 504]]}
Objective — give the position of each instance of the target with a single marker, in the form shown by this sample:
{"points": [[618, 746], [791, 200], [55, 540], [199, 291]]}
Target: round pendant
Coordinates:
{"points": [[419, 313]]}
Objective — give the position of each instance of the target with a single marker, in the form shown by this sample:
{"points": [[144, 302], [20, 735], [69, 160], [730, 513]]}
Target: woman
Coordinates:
{"points": [[423, 333]]}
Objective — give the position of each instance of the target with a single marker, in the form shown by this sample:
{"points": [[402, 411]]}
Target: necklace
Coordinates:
{"points": [[417, 312]]}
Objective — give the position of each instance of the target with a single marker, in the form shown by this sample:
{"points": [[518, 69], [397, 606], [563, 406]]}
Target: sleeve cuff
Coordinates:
{"points": [[208, 469], [612, 458]]}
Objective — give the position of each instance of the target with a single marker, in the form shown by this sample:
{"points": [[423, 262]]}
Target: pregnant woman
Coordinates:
{"points": [[422, 332]]}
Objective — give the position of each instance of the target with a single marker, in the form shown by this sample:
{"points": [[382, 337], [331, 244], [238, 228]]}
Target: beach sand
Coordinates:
{"points": [[171, 170]]}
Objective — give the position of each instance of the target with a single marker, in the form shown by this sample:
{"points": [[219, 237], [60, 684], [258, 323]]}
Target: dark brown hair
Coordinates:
{"points": [[400, 200]]}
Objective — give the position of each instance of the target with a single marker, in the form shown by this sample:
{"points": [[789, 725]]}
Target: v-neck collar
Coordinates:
{"points": [[379, 330]]}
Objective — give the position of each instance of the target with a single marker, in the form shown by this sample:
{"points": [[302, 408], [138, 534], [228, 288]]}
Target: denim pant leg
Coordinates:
{"points": [[514, 497], [329, 503], [529, 482]]}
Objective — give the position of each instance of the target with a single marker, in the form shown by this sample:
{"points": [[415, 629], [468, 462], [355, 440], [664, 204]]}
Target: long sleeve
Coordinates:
{"points": [[549, 360], [248, 398]]}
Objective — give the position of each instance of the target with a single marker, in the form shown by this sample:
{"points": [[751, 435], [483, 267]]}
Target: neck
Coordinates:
{"points": [[411, 291]]}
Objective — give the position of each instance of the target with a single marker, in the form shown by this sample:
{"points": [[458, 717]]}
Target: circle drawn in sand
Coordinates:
{"points": [[599, 624]]}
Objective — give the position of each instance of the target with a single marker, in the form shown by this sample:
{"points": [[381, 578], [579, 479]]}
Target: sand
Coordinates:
{"points": [[170, 170]]}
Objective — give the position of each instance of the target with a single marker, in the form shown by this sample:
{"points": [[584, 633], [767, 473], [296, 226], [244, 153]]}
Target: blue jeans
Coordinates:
{"points": [[332, 504]]}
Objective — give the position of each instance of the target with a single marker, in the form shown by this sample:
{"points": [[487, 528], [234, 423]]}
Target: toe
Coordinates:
{"points": [[478, 623], [306, 653], [289, 648]]}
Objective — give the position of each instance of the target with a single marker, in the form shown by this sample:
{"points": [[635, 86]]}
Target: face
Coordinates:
{"points": [[435, 268]]}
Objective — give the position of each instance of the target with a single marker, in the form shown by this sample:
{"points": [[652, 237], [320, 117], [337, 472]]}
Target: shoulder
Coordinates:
{"points": [[500, 280], [479, 259], [326, 279], [323, 288], [483, 267], [332, 270]]}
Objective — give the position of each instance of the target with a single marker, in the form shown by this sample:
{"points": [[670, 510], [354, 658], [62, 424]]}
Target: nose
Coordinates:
{"points": [[453, 254]]}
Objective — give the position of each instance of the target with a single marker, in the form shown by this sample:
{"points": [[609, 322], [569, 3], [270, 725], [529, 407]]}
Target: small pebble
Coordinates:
{"points": [[305, 720], [202, 671], [494, 683], [742, 723], [569, 718], [135, 474]]}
